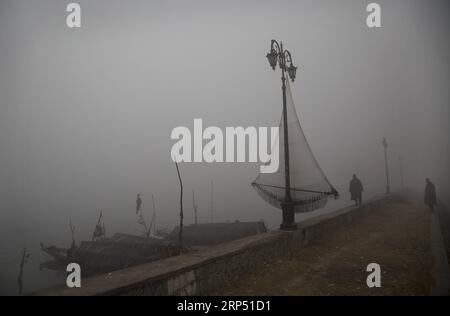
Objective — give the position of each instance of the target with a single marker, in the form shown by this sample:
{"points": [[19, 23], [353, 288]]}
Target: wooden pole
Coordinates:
{"points": [[212, 201], [72, 231], [23, 261], [195, 207], [154, 215], [98, 224]]}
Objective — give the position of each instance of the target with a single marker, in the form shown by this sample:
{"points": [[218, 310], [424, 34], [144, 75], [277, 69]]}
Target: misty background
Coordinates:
{"points": [[86, 114]]}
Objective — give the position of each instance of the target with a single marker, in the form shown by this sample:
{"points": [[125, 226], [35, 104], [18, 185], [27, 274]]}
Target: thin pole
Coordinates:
{"points": [[154, 215], [98, 225], [387, 171], [212, 190], [385, 145], [23, 261], [72, 231], [288, 215], [278, 55]]}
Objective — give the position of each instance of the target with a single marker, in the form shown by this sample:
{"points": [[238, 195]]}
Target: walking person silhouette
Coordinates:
{"points": [[138, 203], [356, 189]]}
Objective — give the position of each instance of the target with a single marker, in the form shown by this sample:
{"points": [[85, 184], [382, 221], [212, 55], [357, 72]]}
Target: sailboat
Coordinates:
{"points": [[307, 188], [105, 254]]}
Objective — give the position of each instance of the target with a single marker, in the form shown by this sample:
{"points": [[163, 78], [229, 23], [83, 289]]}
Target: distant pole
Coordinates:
{"points": [[279, 55], [212, 190], [195, 206], [23, 261], [385, 145], [72, 231], [181, 209], [98, 228], [400, 162], [154, 215]]}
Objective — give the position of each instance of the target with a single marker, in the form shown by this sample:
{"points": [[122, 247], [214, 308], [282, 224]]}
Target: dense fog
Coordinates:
{"points": [[86, 114]]}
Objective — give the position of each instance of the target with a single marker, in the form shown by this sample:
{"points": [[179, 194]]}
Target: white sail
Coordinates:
{"points": [[309, 186]]}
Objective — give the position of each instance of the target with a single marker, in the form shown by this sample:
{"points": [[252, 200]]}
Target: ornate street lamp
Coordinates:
{"points": [[277, 55], [292, 70]]}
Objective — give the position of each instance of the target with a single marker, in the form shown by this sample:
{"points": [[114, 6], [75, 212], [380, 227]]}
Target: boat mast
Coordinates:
{"points": [[181, 210], [195, 206], [212, 190], [99, 230], [281, 56], [154, 216], [23, 261]]}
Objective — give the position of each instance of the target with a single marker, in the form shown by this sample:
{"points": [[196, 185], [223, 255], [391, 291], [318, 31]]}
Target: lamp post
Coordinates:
{"points": [[385, 145], [280, 56]]}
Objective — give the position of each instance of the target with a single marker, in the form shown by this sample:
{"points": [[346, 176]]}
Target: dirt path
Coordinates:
{"points": [[397, 238]]}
